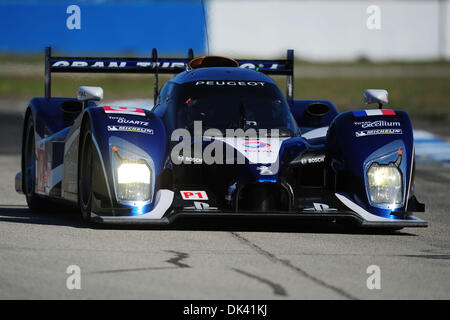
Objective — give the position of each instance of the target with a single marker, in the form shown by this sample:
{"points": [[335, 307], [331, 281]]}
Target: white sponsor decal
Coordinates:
{"points": [[116, 64], [230, 83], [128, 121], [313, 160], [253, 66], [377, 131], [379, 123], [188, 159], [200, 206], [139, 64], [320, 207], [130, 129]]}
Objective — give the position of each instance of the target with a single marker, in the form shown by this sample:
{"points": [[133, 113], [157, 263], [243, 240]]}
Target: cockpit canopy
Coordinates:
{"points": [[233, 104]]}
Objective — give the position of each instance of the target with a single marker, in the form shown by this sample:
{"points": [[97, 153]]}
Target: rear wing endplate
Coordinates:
{"points": [[156, 65]]}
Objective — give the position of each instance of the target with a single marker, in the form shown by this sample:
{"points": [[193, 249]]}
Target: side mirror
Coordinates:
{"points": [[85, 94], [379, 96]]}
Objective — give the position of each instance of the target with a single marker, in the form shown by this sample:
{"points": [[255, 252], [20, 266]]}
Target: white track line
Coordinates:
{"points": [[430, 148]]}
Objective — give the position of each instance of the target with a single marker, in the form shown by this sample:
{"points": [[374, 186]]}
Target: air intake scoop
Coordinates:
{"points": [[212, 61]]}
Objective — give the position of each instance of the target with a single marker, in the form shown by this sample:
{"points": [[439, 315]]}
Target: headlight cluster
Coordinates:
{"points": [[133, 181], [134, 171], [385, 184]]}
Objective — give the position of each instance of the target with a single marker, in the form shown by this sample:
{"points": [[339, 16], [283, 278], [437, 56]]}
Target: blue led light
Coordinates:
{"points": [[267, 180], [141, 209]]}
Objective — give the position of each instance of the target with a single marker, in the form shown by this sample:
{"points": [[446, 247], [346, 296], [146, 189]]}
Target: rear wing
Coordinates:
{"points": [[156, 65]]}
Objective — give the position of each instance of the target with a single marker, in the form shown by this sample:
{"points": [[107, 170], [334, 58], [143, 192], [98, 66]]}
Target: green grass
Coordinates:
{"points": [[115, 87], [21, 58]]}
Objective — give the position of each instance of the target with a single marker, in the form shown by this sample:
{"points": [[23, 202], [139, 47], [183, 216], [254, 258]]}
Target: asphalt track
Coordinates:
{"points": [[216, 259]]}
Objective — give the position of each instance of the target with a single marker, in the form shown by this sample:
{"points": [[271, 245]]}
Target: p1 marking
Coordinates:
{"points": [[194, 195]]}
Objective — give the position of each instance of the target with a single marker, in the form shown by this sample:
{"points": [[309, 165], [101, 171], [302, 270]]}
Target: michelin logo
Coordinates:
{"points": [[378, 131], [130, 129]]}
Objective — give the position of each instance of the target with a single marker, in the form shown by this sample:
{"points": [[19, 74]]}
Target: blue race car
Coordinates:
{"points": [[220, 140]]}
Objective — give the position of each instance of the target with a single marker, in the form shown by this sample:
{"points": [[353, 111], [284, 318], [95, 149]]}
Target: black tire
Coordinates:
{"points": [[85, 165], [35, 202]]}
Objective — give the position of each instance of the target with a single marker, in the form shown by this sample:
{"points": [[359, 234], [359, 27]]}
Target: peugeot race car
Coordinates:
{"points": [[220, 140]]}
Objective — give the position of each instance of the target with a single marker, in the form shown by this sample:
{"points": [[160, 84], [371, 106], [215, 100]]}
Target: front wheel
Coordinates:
{"points": [[85, 164]]}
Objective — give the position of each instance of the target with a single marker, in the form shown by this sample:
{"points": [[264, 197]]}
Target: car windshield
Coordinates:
{"points": [[234, 104]]}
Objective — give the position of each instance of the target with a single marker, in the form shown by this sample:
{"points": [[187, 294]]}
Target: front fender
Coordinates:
{"points": [[142, 135], [354, 142]]}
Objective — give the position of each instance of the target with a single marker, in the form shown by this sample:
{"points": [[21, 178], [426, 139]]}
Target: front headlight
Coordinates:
{"points": [[385, 184], [134, 172], [133, 181]]}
